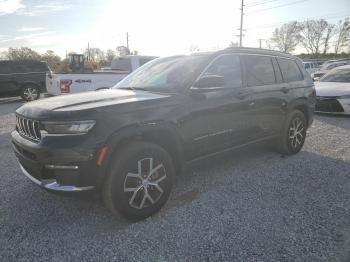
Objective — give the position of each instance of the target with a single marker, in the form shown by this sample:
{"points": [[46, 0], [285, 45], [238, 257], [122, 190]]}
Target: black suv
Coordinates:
{"points": [[22, 78], [131, 141]]}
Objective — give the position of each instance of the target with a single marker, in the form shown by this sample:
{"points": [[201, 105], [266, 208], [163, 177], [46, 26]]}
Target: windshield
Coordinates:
{"points": [[165, 73], [337, 75]]}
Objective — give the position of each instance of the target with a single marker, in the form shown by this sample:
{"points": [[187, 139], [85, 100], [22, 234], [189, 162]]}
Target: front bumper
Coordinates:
{"points": [[333, 105], [42, 163], [52, 184]]}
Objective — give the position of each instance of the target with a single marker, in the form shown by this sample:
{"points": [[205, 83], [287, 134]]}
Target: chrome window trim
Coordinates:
{"points": [[240, 54]]}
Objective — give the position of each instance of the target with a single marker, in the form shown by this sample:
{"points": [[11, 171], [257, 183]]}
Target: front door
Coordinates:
{"points": [[218, 119]]}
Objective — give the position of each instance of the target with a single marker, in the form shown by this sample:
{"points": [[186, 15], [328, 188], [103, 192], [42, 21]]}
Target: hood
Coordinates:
{"points": [[332, 89], [84, 101]]}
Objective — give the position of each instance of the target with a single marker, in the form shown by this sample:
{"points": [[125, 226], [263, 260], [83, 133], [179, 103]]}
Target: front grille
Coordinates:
{"points": [[28, 128], [330, 105]]}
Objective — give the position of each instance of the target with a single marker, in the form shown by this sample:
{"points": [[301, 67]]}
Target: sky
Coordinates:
{"points": [[155, 27]]}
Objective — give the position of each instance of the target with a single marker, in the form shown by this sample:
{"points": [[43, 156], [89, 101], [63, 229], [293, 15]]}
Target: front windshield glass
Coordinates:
{"points": [[164, 74], [337, 75]]}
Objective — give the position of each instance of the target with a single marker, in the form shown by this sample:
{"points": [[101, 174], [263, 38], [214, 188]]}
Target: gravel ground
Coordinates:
{"points": [[249, 205]]}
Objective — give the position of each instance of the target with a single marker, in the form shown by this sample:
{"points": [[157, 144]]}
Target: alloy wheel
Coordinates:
{"points": [[145, 187], [30, 93], [296, 133]]}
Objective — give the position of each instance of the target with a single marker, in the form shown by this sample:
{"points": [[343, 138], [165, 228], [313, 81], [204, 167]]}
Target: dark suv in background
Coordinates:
{"points": [[22, 78], [131, 141]]}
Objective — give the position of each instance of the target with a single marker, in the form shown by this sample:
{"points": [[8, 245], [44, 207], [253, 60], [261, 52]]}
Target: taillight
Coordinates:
{"points": [[65, 85]]}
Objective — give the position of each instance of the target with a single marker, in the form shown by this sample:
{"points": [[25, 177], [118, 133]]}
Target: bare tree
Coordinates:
{"points": [[328, 35], [342, 35], [287, 37], [23, 53], [51, 59], [95, 54], [123, 50], [314, 35], [110, 55]]}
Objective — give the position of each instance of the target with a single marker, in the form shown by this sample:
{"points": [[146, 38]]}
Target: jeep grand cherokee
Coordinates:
{"points": [[129, 142]]}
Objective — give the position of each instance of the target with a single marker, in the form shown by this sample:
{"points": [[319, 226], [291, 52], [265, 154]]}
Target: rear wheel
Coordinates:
{"points": [[30, 92], [139, 182], [293, 133]]}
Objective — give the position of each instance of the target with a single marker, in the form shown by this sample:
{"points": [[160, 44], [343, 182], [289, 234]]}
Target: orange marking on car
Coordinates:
{"points": [[101, 155]]}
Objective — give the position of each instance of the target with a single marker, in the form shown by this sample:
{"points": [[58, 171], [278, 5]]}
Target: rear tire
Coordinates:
{"points": [[139, 180], [30, 93], [293, 133]]}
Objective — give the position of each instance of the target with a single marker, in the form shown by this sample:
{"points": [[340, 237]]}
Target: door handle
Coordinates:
{"points": [[284, 89]]}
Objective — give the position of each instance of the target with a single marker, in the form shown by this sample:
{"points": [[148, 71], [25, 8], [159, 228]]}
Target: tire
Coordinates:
{"points": [[30, 93], [290, 141], [126, 193]]}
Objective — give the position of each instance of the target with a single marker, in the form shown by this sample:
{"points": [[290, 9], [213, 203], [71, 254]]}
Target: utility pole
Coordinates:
{"points": [[127, 40], [260, 40], [88, 51], [241, 27]]}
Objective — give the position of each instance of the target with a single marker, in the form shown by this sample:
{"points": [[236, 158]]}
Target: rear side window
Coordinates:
{"points": [[229, 67], [259, 70], [290, 70]]}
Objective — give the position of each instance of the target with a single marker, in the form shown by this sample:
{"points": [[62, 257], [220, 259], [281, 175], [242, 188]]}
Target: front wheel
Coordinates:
{"points": [[30, 93], [293, 133], [139, 181]]}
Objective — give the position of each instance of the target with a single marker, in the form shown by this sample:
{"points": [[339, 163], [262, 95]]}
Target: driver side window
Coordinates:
{"points": [[229, 67]]}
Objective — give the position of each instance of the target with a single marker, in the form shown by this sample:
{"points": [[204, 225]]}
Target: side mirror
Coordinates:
{"points": [[209, 82]]}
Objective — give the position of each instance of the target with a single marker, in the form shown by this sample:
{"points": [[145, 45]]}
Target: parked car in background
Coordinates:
{"points": [[22, 78], [310, 67], [333, 91], [69, 83], [326, 68], [132, 140]]}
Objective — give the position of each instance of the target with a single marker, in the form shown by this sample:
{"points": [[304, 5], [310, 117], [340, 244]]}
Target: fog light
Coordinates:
{"points": [[61, 167]]}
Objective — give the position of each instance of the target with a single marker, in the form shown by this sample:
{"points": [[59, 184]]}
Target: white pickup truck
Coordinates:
{"points": [[68, 83]]}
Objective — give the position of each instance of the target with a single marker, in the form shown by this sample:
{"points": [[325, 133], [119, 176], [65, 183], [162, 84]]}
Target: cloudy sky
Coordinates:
{"points": [[156, 27]]}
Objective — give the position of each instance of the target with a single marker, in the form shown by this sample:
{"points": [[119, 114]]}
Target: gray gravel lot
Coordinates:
{"points": [[249, 205]]}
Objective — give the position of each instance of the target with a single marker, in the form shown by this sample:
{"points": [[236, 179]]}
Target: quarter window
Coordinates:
{"points": [[259, 70], [229, 67], [290, 70]]}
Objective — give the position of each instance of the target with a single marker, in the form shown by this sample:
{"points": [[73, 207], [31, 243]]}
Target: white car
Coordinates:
{"points": [[326, 68], [310, 67], [333, 92]]}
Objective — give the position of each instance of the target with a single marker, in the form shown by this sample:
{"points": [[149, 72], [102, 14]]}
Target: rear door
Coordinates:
{"points": [[267, 93]]}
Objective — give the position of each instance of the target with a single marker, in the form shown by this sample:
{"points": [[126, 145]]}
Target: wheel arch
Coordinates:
{"points": [[301, 105], [162, 135]]}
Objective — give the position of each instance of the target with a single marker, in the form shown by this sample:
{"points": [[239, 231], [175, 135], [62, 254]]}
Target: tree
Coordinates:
{"points": [[51, 59], [123, 50], [110, 55], [287, 37], [342, 35], [328, 35], [314, 35], [95, 54], [23, 53]]}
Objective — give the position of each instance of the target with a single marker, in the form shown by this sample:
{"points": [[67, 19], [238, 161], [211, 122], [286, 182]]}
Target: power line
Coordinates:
{"points": [[277, 6], [261, 3], [287, 21]]}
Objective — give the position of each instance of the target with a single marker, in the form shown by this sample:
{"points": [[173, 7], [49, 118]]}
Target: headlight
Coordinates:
{"points": [[74, 127]]}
